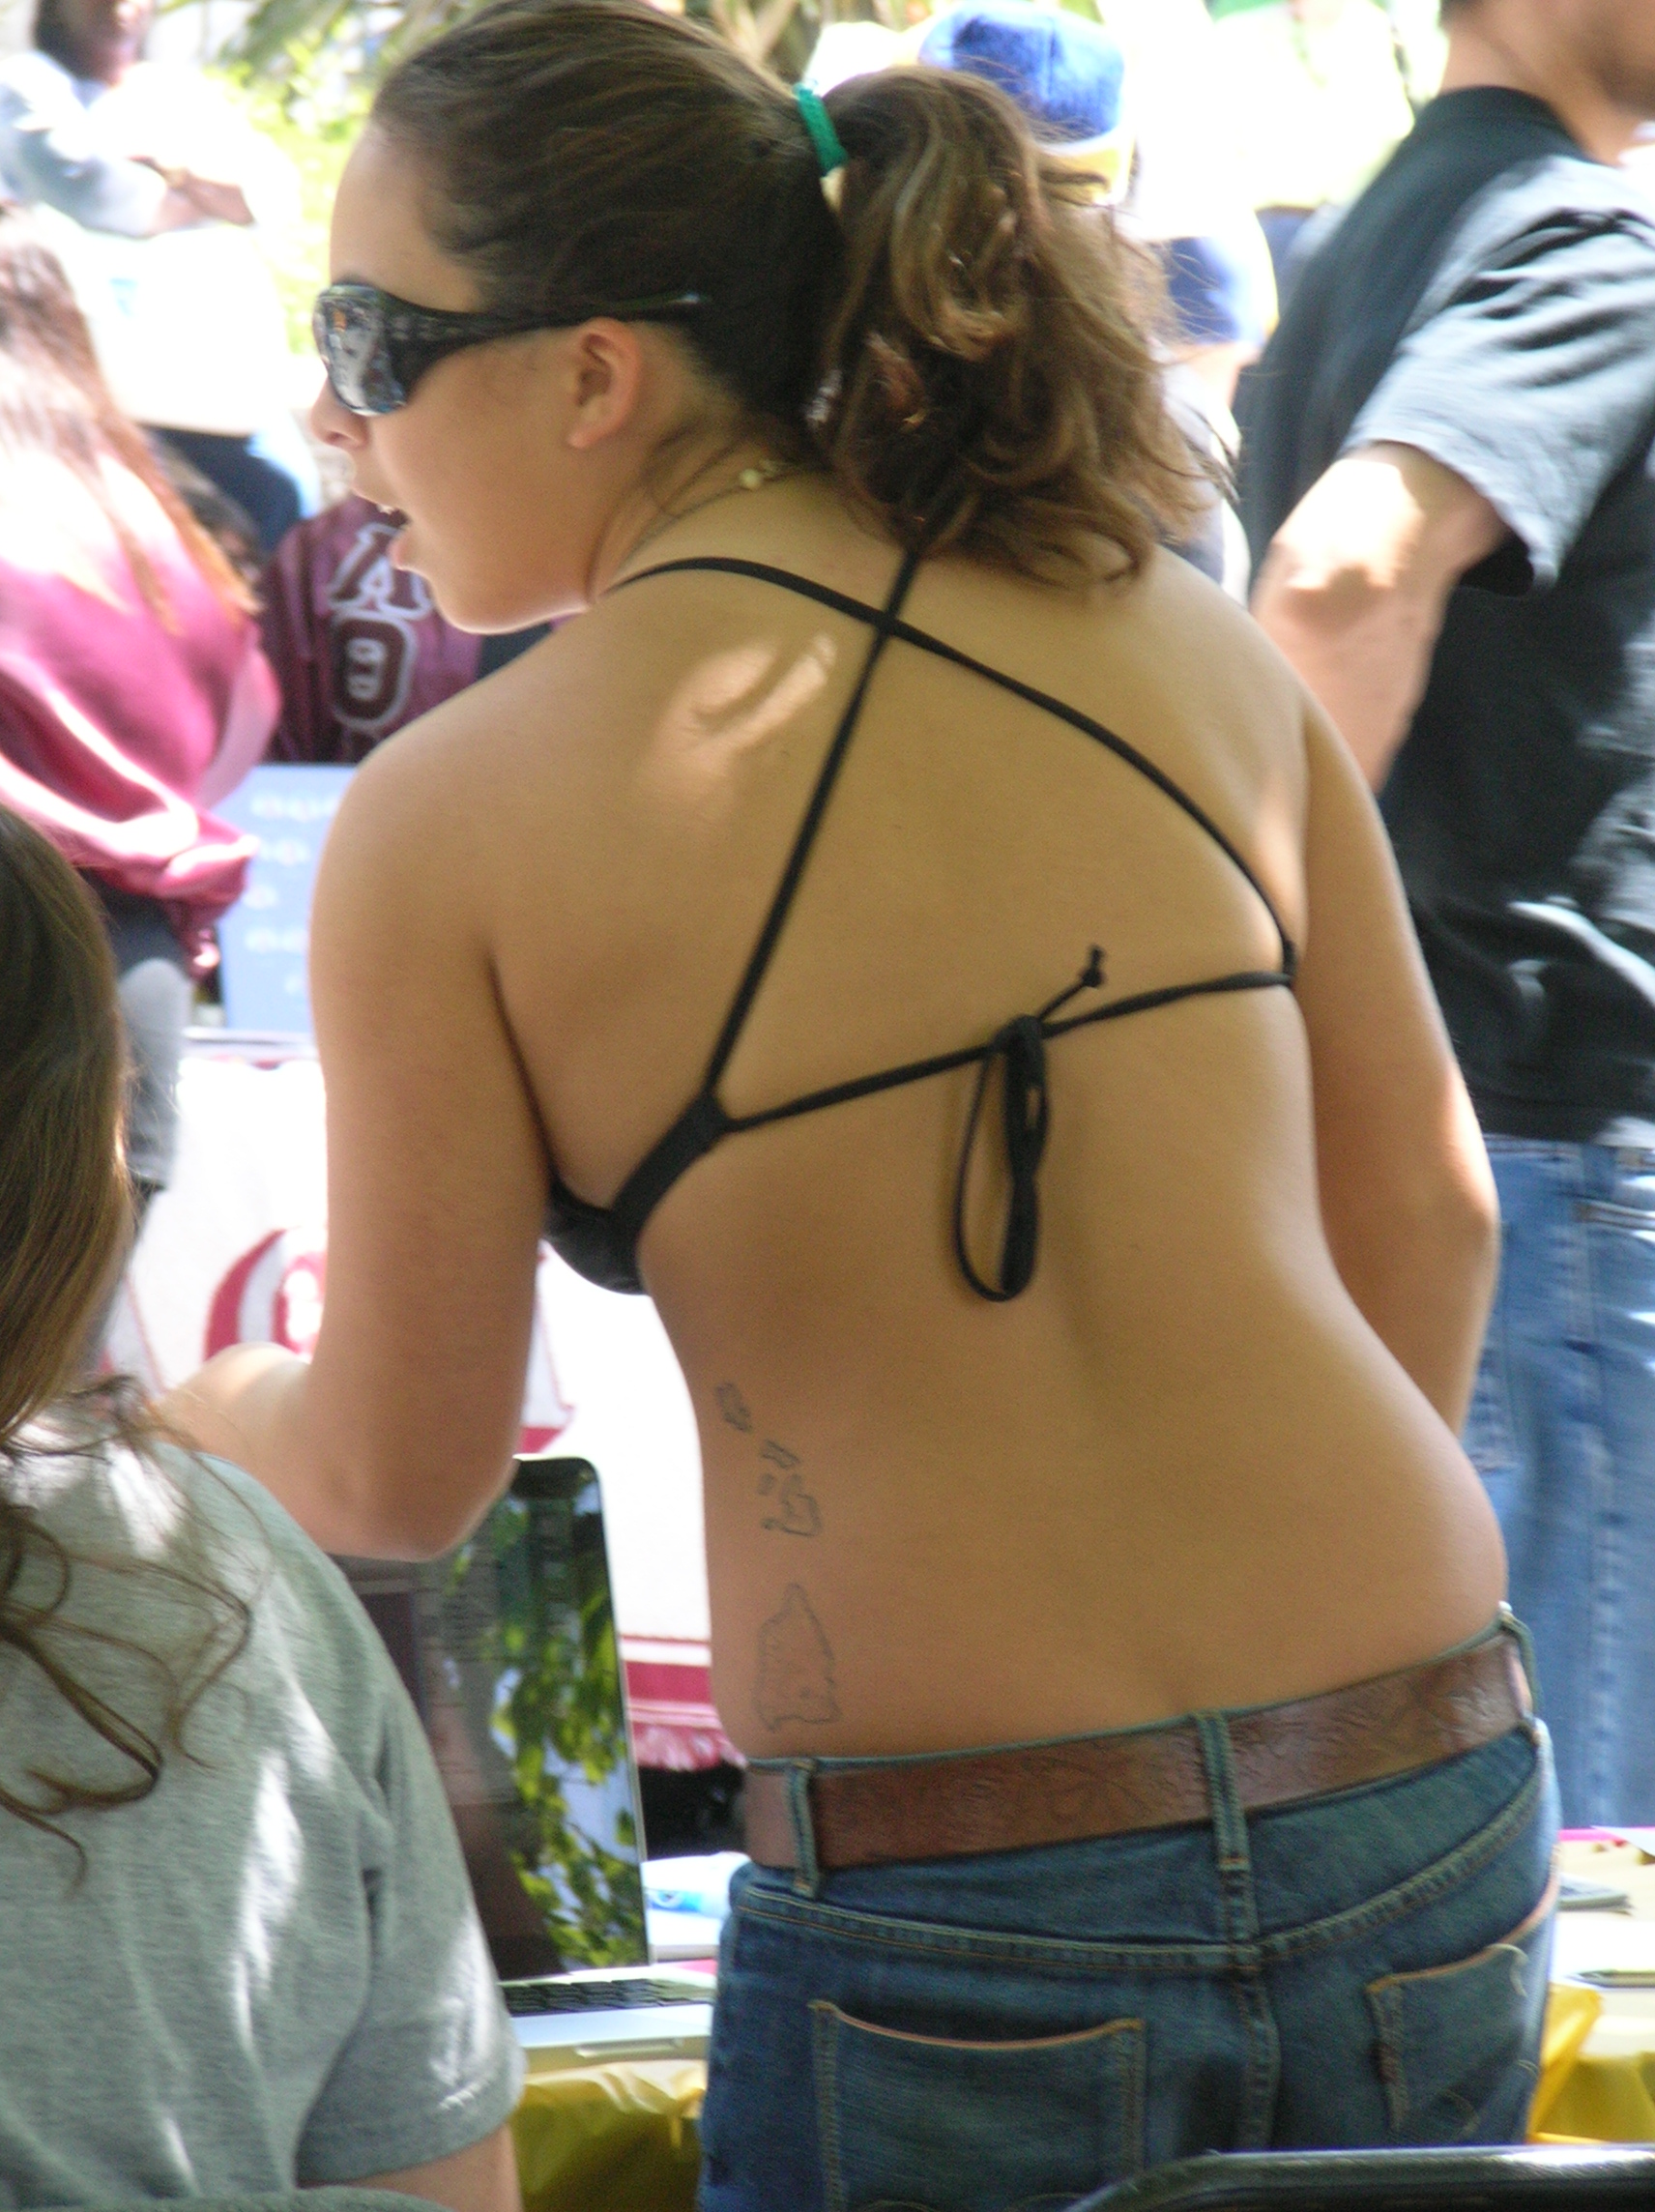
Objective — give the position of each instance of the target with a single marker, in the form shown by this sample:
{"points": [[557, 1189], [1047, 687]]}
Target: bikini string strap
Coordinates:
{"points": [[1019, 1050]]}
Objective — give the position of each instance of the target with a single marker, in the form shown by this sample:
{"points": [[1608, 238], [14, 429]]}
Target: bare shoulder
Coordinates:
{"points": [[1172, 603], [1214, 702], [1165, 638], [449, 783]]}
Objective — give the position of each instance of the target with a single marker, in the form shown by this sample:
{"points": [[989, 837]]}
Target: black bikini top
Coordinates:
{"points": [[602, 1241]]}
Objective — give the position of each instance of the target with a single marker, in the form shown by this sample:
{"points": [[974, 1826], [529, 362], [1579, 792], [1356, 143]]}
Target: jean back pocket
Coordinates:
{"points": [[924, 2124], [1458, 2045]]}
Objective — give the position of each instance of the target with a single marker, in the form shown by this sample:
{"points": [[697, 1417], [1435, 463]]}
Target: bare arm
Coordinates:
{"points": [[480, 2179], [190, 198], [1408, 1199], [397, 1436], [1354, 586]]}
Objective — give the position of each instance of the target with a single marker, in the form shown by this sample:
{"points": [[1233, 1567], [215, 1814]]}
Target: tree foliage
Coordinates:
{"points": [[322, 58], [535, 1626]]}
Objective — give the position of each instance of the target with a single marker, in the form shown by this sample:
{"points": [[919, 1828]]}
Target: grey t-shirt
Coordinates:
{"points": [[269, 1972]]}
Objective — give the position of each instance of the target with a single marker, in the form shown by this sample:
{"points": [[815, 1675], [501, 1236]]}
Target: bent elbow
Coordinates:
{"points": [[1482, 1230], [1456, 1231], [402, 1507], [1294, 601]]}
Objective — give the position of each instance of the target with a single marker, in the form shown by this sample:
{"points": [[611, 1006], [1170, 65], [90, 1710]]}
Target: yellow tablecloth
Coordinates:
{"points": [[625, 2137], [1597, 2075], [1597, 2072], [611, 2138]]}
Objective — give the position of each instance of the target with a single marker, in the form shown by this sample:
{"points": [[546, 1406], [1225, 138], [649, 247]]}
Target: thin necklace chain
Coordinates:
{"points": [[752, 479]]}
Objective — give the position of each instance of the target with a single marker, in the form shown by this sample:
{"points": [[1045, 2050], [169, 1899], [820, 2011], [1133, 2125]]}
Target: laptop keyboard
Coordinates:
{"points": [[524, 1999]]}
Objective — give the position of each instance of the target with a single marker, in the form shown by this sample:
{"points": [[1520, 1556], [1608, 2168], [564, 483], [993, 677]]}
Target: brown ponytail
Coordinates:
{"points": [[988, 333], [964, 345]]}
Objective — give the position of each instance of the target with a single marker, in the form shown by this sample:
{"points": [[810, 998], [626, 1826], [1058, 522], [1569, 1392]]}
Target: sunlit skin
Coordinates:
{"points": [[1207, 1458]]}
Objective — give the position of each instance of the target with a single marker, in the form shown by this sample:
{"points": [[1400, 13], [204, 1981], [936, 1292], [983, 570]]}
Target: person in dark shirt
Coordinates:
{"points": [[1447, 478]]}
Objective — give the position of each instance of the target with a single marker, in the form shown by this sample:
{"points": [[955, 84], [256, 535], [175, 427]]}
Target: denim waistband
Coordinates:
{"points": [[1504, 1623]]}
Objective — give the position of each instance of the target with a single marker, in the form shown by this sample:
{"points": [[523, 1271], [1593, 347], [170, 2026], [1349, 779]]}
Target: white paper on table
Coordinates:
{"points": [[1589, 1941]]}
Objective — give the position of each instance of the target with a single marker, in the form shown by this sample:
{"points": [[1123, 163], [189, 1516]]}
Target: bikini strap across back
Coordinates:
{"points": [[602, 1241]]}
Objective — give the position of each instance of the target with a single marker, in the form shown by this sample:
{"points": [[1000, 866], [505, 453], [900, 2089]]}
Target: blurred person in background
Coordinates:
{"points": [[1187, 202], [1187, 198], [357, 644], [1161, 138], [152, 184], [1079, 89], [1449, 479], [1318, 101], [133, 690]]}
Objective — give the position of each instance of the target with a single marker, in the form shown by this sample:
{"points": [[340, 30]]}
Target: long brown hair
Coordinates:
{"points": [[963, 344], [65, 1221], [53, 400]]}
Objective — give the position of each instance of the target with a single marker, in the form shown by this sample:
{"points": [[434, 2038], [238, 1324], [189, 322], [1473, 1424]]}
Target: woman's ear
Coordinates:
{"points": [[606, 374]]}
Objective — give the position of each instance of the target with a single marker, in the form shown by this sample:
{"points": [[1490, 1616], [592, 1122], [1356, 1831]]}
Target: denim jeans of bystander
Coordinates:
{"points": [[1563, 1430]]}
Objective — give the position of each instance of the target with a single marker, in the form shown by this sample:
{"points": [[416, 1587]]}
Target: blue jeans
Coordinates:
{"points": [[1005, 2032], [1563, 1430], [153, 972]]}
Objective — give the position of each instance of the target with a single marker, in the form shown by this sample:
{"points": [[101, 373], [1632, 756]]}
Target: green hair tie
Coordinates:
{"points": [[830, 153]]}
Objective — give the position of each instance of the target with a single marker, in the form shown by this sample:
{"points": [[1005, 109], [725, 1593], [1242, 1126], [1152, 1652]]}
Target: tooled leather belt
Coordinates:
{"points": [[1084, 1787]]}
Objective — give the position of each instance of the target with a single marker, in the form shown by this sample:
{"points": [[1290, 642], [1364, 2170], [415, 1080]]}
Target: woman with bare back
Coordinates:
{"points": [[1068, 1215]]}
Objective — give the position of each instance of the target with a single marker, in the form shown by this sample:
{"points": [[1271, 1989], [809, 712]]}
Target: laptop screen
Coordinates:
{"points": [[508, 1648]]}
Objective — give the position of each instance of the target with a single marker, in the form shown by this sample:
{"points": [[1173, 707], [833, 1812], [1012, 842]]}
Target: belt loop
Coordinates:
{"points": [[1240, 1906], [1223, 1797], [808, 1876], [1515, 1628]]}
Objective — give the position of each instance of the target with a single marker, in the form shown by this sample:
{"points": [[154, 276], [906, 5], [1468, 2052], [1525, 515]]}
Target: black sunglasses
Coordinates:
{"points": [[376, 347]]}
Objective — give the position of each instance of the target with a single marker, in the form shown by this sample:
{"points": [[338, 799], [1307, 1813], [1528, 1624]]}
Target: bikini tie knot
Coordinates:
{"points": [[1019, 1050]]}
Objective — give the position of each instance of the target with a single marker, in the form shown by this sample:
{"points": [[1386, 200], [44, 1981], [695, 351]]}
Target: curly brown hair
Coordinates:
{"points": [[65, 1223], [966, 346]]}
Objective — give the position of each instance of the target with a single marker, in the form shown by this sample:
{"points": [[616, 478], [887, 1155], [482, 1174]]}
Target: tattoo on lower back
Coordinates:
{"points": [[733, 1406], [796, 1512], [796, 1666]]}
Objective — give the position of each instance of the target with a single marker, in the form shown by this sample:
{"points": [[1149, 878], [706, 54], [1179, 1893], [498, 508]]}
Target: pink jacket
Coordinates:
{"points": [[119, 730]]}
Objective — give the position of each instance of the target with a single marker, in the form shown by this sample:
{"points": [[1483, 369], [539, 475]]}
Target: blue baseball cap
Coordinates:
{"points": [[1065, 73]]}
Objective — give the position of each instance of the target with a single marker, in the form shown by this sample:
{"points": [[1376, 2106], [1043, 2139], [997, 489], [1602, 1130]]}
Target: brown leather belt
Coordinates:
{"points": [[1139, 1778]]}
